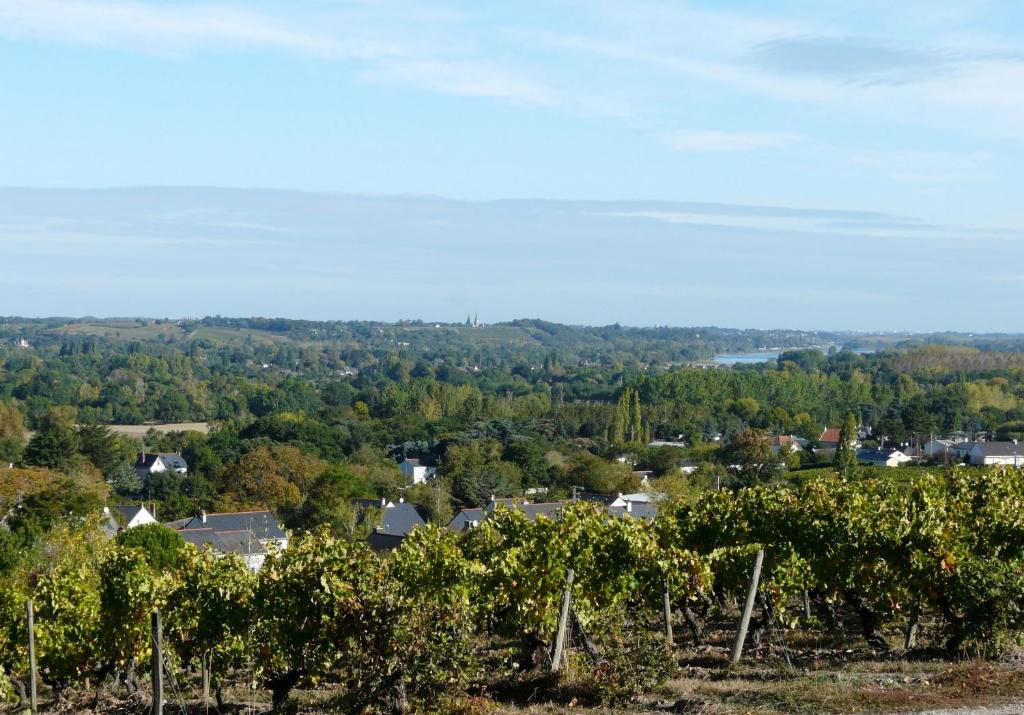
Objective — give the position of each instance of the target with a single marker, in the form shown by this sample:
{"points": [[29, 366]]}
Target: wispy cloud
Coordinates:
{"points": [[923, 166], [709, 140], [644, 65], [473, 79], [848, 59], [173, 28]]}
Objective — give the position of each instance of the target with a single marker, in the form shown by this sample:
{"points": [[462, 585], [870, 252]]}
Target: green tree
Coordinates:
{"points": [[846, 451], [97, 443], [12, 433], [750, 455], [54, 447], [593, 474], [628, 423], [161, 546]]}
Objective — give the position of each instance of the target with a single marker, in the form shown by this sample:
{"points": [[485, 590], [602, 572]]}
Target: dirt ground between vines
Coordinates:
{"points": [[851, 684], [830, 673], [706, 686]]}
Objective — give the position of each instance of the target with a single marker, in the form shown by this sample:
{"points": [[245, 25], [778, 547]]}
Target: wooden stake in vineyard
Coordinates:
{"points": [[563, 622], [748, 608], [157, 663], [668, 619], [33, 700]]}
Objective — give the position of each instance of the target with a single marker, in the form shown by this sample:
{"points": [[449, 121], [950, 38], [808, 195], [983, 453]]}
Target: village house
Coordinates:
{"points": [[418, 471], [621, 506], [1002, 453], [882, 457], [787, 442], [250, 534], [125, 516], [396, 521], [157, 462], [829, 438], [940, 450]]}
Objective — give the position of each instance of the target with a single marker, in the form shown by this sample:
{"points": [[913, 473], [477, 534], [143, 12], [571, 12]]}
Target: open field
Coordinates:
{"points": [[146, 330], [141, 430]]}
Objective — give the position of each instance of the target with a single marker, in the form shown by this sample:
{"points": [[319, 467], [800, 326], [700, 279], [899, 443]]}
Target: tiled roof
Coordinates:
{"points": [[172, 459], [400, 519], [876, 455], [999, 449], [638, 510], [262, 524], [605, 499], [830, 434]]}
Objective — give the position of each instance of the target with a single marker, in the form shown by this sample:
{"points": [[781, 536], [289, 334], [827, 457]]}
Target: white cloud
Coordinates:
{"points": [[467, 78], [925, 166], [173, 28], [714, 140]]}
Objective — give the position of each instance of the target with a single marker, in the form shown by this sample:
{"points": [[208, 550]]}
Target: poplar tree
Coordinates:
{"points": [[846, 453]]}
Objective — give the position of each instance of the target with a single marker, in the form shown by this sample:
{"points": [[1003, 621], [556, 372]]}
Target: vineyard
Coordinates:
{"points": [[463, 622]]}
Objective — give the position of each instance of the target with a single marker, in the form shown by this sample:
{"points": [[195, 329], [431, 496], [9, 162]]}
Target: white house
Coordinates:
{"points": [[418, 471], [157, 462], [125, 516], [1008, 453], [882, 457]]}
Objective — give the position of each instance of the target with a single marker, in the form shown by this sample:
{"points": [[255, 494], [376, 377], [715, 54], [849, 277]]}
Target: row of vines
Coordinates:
{"points": [[390, 632]]}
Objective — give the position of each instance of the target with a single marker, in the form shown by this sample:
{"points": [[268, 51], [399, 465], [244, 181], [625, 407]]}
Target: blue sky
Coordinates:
{"points": [[911, 110]]}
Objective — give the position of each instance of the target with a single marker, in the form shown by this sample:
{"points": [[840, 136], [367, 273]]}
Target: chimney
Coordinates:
{"points": [[629, 507], [383, 502], [202, 515]]}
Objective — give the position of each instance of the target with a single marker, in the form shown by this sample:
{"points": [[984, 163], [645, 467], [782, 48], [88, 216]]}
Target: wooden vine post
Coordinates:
{"points": [[668, 619], [157, 663], [33, 700], [748, 608], [563, 622]]}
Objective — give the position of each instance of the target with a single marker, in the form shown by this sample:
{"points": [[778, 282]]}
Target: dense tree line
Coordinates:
{"points": [[323, 413]]}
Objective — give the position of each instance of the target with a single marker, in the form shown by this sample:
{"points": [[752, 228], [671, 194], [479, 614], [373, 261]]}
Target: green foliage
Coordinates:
{"points": [[628, 425], [846, 451], [161, 547], [750, 457], [637, 663], [67, 606], [53, 447], [476, 472], [64, 500], [129, 590], [210, 608]]}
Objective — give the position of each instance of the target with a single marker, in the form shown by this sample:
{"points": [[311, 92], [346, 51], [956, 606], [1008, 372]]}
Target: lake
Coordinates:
{"points": [[764, 356], [747, 358]]}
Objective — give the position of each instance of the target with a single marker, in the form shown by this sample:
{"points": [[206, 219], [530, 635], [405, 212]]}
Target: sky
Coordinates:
{"points": [[858, 152]]}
